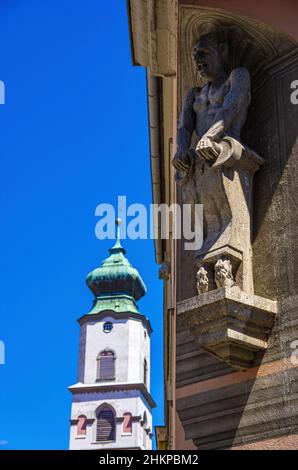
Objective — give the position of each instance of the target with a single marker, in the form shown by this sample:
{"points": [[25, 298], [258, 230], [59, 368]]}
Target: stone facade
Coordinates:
{"points": [[230, 310]]}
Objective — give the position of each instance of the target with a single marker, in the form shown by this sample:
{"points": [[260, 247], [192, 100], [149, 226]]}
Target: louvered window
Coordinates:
{"points": [[105, 430], [105, 365]]}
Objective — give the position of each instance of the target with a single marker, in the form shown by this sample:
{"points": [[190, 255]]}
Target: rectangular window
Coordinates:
{"points": [[106, 367]]}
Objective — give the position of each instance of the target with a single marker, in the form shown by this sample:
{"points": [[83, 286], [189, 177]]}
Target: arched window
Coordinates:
{"points": [[81, 426], [127, 423], [145, 372], [106, 365], [105, 424]]}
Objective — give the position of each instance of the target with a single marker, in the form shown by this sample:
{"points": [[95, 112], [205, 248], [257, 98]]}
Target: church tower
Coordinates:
{"points": [[111, 403]]}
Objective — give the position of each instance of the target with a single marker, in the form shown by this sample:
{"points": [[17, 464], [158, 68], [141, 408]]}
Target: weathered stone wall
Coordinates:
{"points": [[218, 406]]}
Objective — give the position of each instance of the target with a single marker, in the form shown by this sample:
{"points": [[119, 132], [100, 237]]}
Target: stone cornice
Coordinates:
{"points": [[153, 29], [222, 293], [115, 387]]}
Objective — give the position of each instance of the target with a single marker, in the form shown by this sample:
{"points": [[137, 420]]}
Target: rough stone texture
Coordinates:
{"points": [[243, 412], [275, 194], [153, 30], [216, 170], [229, 323], [262, 408], [256, 411], [195, 365], [270, 54]]}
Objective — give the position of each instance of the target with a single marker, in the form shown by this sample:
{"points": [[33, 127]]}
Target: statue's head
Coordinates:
{"points": [[209, 54], [223, 267]]}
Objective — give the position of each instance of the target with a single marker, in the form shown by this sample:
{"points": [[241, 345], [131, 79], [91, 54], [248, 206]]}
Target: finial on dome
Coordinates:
{"points": [[117, 247], [118, 223]]}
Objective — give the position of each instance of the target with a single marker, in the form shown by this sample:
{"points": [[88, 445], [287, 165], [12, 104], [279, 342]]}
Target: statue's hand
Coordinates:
{"points": [[181, 160], [207, 149]]}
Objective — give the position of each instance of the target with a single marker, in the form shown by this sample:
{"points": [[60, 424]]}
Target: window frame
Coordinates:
{"points": [[101, 355], [110, 325], [127, 414], [83, 427], [105, 407]]}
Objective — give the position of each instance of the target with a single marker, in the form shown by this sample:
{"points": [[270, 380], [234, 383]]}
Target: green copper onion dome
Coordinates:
{"points": [[116, 284]]}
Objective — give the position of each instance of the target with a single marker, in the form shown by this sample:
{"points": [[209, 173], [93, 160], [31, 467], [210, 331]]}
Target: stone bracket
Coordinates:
{"points": [[229, 323]]}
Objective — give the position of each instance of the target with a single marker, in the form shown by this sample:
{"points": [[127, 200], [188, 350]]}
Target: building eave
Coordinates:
{"points": [[116, 315], [154, 99], [152, 30], [133, 60]]}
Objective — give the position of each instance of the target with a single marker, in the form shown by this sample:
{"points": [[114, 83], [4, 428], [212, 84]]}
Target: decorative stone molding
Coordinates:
{"points": [[81, 388], [194, 364], [153, 26], [253, 44], [229, 323]]}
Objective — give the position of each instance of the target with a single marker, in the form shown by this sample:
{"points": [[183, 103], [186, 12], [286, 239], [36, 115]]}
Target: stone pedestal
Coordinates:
{"points": [[229, 323]]}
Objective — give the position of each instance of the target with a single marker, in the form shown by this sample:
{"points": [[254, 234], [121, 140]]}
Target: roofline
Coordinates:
{"points": [[154, 97], [115, 315], [132, 51]]}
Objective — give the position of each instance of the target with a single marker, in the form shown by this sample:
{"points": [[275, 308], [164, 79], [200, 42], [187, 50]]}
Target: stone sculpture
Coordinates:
{"points": [[223, 273], [213, 166], [217, 111], [216, 169], [202, 280]]}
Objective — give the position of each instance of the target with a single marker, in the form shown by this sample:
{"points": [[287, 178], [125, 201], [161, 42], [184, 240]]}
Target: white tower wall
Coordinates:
{"points": [[129, 340]]}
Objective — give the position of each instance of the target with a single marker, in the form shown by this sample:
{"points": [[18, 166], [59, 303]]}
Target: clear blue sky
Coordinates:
{"points": [[73, 134]]}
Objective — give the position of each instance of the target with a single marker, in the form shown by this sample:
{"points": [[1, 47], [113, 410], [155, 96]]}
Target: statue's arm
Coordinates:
{"points": [[236, 101], [186, 126]]}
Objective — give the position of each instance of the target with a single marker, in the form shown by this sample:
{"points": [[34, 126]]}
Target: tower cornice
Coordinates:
{"points": [[116, 315], [113, 387]]}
